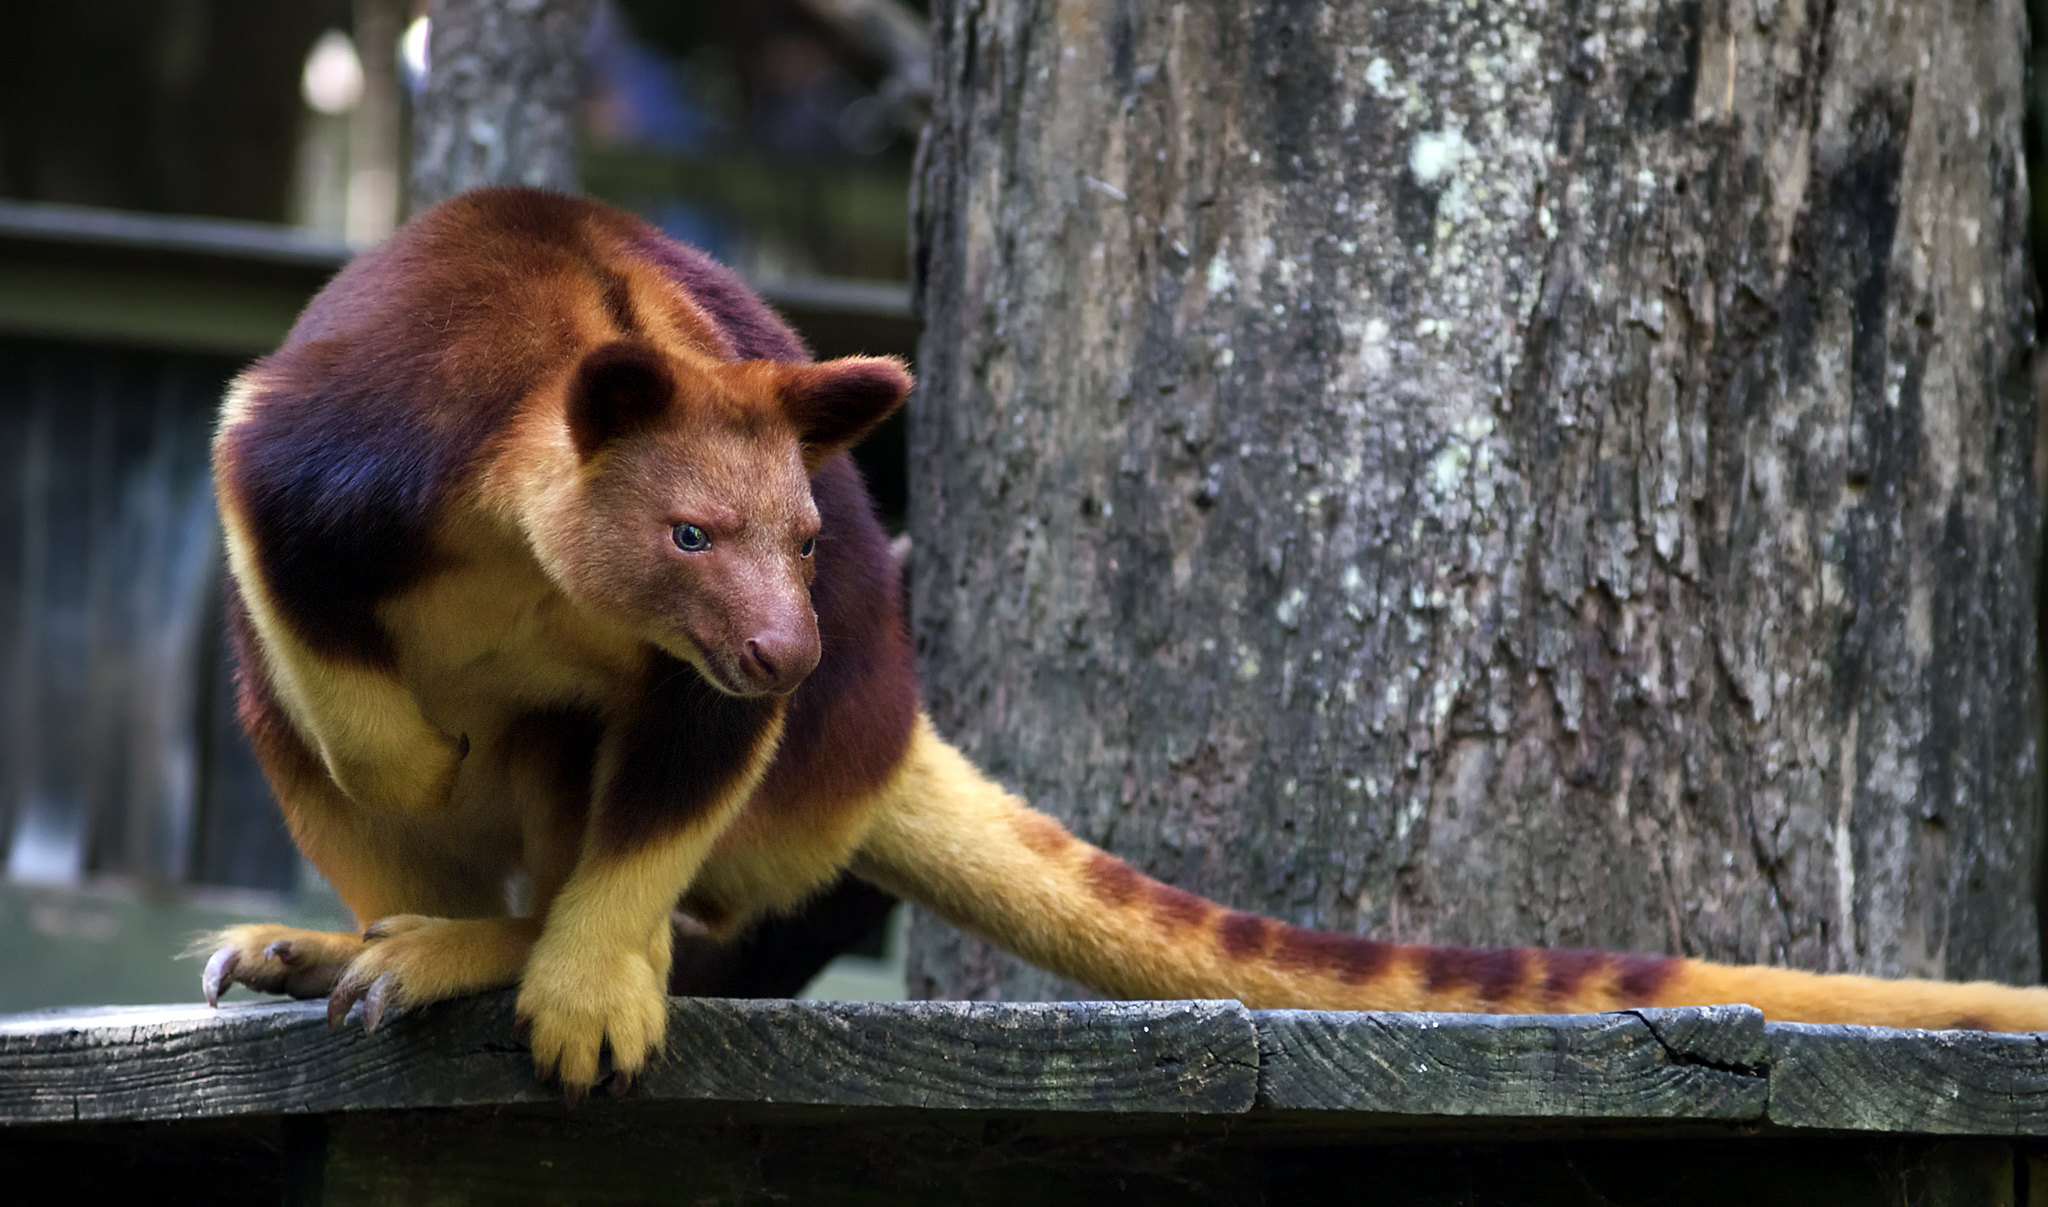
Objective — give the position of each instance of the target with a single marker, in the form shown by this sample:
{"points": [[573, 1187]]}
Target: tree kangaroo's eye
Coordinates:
{"points": [[691, 539], [810, 547]]}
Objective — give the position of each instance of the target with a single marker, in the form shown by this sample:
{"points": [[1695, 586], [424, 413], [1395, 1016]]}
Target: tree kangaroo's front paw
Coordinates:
{"points": [[274, 959], [408, 961], [576, 1008]]}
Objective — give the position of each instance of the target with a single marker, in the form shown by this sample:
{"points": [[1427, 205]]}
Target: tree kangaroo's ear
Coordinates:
{"points": [[620, 388], [835, 403]]}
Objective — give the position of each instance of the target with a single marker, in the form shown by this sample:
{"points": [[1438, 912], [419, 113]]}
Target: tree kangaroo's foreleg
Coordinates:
{"points": [[598, 973], [948, 838]]}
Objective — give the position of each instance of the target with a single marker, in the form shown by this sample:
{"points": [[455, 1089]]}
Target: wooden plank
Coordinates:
{"points": [[1926, 1082], [1134, 1059], [1180, 1057], [189, 1062], [1646, 1064]]}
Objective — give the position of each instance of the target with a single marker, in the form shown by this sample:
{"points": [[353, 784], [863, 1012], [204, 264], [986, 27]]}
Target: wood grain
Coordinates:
{"points": [[1650, 1064], [1182, 1057], [1925, 1082], [171, 1063], [178, 1064]]}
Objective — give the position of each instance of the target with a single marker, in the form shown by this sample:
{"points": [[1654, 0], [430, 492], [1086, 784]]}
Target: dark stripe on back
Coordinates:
{"points": [[754, 329], [618, 300], [684, 750]]}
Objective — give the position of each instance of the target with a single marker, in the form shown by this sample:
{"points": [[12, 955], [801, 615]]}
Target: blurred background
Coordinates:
{"points": [[177, 177]]}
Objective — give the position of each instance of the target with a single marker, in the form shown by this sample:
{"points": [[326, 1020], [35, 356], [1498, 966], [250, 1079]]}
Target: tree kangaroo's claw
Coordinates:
{"points": [[219, 974], [377, 1001], [376, 995]]}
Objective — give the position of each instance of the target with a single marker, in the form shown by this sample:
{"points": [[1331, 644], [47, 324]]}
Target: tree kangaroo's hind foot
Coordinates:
{"points": [[271, 958], [397, 964]]}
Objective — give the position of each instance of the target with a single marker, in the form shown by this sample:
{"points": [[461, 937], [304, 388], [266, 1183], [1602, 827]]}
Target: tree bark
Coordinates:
{"points": [[1515, 474], [503, 81]]}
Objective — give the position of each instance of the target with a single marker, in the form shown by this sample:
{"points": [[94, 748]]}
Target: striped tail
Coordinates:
{"points": [[959, 845]]}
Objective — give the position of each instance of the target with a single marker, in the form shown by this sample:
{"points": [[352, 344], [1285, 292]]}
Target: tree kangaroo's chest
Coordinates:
{"points": [[490, 640]]}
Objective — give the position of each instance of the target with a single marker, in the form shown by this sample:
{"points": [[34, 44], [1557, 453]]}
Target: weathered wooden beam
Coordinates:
{"points": [[178, 1063], [1956, 1083], [1714, 1066], [1644, 1064]]}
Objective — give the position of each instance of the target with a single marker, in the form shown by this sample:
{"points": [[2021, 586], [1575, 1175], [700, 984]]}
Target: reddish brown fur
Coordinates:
{"points": [[1495, 972], [1643, 977], [1244, 936], [1114, 882], [1566, 971], [1353, 958], [1177, 909], [1041, 834]]}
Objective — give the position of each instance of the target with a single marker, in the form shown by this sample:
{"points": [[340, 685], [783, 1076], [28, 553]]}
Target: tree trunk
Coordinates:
{"points": [[376, 133], [1538, 474], [503, 81]]}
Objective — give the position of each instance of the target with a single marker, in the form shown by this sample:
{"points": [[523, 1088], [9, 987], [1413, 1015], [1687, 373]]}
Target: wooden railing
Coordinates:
{"points": [[1182, 1102]]}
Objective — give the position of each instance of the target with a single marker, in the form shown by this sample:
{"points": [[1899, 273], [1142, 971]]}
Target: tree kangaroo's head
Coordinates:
{"points": [[691, 520]]}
